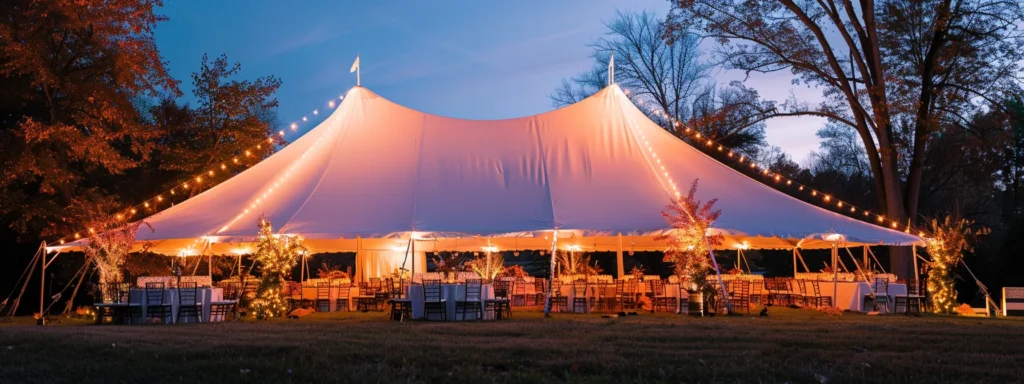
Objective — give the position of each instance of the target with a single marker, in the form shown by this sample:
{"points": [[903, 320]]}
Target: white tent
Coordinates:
{"points": [[375, 173]]}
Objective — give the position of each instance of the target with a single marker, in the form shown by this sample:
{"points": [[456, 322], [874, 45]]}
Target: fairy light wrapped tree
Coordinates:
{"points": [[109, 250], [277, 255], [689, 240], [488, 266], [947, 242]]}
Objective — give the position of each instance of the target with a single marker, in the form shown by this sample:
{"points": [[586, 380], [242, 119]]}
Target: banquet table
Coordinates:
{"points": [[850, 294], [450, 293], [204, 296], [310, 293]]}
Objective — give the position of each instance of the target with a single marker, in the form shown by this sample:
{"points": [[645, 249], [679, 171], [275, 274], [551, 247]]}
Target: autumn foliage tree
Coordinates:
{"points": [[71, 73]]}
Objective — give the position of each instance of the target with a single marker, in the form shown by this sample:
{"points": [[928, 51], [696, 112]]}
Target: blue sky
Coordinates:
{"points": [[479, 59]]}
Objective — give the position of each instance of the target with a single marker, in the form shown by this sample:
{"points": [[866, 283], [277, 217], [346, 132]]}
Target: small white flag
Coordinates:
{"points": [[611, 69], [355, 65]]}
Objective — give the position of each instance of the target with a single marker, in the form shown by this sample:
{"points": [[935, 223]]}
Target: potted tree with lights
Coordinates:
{"points": [[689, 245]]}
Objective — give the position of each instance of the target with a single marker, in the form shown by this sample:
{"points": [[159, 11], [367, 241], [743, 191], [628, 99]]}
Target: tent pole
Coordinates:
{"points": [[357, 276], [794, 262], [554, 248], [412, 246], [916, 277], [867, 261], [42, 286], [618, 258], [835, 273]]}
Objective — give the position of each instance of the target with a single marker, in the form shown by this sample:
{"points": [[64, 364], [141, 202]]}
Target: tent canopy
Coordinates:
{"points": [[381, 172]]}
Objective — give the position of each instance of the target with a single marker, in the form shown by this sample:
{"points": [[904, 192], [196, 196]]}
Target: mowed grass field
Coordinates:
{"points": [[790, 345]]}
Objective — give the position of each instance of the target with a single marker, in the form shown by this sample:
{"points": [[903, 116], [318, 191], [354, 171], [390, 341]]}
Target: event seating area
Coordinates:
{"points": [[464, 296]]}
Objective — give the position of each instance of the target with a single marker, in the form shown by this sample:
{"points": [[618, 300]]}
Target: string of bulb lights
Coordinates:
{"points": [[700, 140], [194, 182]]}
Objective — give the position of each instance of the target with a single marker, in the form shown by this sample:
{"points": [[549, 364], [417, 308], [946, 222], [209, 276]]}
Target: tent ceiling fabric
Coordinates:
{"points": [[375, 169]]}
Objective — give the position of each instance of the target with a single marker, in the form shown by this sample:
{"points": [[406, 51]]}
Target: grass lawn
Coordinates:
{"points": [[790, 345]]}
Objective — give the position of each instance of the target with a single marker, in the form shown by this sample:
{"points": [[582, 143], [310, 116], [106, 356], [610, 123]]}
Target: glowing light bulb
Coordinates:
{"points": [[295, 126], [210, 173], [279, 133], [159, 198], [801, 188], [223, 166], [77, 236], [185, 186], [133, 211], [316, 112], [330, 103], [789, 182], [814, 193], [304, 118], [199, 179], [146, 204]]}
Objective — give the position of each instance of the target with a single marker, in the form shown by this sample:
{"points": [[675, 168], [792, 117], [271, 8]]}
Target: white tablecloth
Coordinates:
{"points": [[850, 295], [310, 293], [204, 296], [450, 293]]}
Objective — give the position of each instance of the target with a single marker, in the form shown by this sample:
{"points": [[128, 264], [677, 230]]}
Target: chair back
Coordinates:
{"points": [[802, 286], [375, 284], [540, 285], [914, 287], [431, 290], [741, 289], [323, 290], [579, 288], [397, 288], [881, 286], [817, 288], [473, 288], [556, 288], [343, 290], [502, 288], [187, 292], [366, 289], [757, 288], [112, 293], [155, 293], [657, 287]]}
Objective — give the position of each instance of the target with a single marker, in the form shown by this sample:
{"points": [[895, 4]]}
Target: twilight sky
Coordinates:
{"points": [[478, 60]]}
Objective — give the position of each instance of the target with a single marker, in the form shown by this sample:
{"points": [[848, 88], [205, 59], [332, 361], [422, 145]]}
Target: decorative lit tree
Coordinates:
{"points": [[946, 244], [689, 240], [488, 266], [109, 250], [572, 263], [277, 255]]}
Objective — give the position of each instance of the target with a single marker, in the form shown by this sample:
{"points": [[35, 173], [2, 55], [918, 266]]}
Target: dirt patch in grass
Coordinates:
{"points": [[788, 346]]}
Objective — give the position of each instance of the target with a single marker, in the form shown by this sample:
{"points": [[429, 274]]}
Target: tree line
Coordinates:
{"points": [[923, 100]]}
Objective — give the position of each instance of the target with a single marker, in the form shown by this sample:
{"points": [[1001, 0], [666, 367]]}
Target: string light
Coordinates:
{"points": [[696, 135]]}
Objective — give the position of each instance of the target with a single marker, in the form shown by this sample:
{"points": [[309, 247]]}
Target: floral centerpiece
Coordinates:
{"points": [[447, 263], [515, 271], [331, 272]]}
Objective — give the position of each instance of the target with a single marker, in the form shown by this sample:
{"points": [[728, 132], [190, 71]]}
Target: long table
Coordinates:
{"points": [[310, 293], [449, 293], [204, 296], [849, 295]]}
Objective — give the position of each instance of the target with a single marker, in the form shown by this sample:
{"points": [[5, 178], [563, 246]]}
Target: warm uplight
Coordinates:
{"points": [[834, 237], [490, 248]]}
